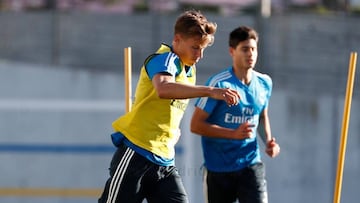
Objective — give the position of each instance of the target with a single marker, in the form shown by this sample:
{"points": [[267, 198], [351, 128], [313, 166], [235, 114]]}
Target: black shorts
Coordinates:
{"points": [[133, 178], [247, 185]]}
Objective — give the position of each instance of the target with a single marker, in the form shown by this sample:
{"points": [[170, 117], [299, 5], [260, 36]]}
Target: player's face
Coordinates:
{"points": [[245, 54], [191, 49]]}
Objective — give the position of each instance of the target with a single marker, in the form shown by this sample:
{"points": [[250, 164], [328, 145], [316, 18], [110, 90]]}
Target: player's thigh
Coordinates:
{"points": [[127, 169], [219, 187], [169, 188], [253, 185]]}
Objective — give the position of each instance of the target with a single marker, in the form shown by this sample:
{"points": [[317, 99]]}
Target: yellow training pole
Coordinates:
{"points": [[127, 74], [345, 124]]}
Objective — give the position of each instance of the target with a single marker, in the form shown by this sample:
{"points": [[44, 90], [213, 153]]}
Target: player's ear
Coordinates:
{"points": [[231, 51], [177, 38]]}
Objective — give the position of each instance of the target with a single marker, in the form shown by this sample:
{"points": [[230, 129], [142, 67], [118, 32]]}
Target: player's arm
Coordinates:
{"points": [[264, 126], [167, 88], [272, 148], [200, 126]]}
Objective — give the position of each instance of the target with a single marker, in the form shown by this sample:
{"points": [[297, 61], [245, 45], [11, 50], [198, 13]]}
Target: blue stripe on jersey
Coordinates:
{"points": [[213, 82], [220, 77]]}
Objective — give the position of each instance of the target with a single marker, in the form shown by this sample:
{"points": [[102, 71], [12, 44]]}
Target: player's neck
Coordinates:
{"points": [[244, 75]]}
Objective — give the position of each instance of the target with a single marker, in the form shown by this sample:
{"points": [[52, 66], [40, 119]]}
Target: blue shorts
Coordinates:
{"points": [[134, 178], [247, 185]]}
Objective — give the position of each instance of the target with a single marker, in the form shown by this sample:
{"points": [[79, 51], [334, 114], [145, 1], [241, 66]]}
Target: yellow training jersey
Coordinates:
{"points": [[153, 123]]}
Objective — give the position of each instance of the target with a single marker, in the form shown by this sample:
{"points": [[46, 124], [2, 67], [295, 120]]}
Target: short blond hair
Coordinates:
{"points": [[194, 24]]}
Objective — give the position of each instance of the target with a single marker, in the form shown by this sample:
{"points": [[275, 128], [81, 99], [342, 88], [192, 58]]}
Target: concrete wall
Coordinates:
{"points": [[61, 86], [292, 46]]}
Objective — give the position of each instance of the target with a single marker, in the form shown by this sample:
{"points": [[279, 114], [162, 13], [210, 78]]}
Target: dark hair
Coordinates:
{"points": [[192, 23], [240, 34]]}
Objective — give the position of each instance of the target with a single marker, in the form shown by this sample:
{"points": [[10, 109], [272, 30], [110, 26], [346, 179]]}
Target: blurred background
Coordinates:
{"points": [[62, 85]]}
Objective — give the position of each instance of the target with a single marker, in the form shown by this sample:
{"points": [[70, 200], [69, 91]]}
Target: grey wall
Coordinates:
{"points": [[292, 46], [61, 86]]}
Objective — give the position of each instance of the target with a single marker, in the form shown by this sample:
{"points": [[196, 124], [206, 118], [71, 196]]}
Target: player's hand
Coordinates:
{"points": [[245, 130], [272, 148], [230, 96]]}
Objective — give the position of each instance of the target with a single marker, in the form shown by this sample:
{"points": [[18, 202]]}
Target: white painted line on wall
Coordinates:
{"points": [[61, 105]]}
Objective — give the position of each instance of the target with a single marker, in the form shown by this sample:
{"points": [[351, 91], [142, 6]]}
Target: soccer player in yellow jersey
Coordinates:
{"points": [[143, 165]]}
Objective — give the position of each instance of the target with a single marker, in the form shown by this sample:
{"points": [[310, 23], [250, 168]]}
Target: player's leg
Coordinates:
{"points": [[164, 185], [126, 172], [220, 187], [253, 184]]}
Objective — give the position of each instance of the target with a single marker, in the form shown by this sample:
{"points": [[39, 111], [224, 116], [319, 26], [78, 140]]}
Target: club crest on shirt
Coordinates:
{"points": [[179, 104]]}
